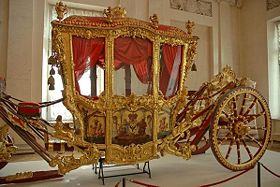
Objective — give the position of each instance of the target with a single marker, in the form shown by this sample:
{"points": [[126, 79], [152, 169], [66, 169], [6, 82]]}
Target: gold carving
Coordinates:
{"points": [[61, 10], [66, 163], [130, 154], [62, 129], [116, 12], [154, 20], [19, 176], [6, 150], [189, 26], [169, 143]]}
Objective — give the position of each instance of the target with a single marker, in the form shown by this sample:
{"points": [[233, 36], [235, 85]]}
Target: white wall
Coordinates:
{"points": [[256, 49], [4, 14], [254, 44]]}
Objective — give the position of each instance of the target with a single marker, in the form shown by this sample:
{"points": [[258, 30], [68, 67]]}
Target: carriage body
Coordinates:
{"points": [[144, 67]]}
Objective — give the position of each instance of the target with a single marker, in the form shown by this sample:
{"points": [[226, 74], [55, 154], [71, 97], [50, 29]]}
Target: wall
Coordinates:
{"points": [[256, 44], [4, 14]]}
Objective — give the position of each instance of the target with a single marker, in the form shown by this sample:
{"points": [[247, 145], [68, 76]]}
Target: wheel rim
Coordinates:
{"points": [[240, 129]]}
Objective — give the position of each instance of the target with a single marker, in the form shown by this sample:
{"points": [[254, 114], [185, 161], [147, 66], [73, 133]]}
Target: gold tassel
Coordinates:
{"points": [[51, 80], [51, 83], [52, 60]]}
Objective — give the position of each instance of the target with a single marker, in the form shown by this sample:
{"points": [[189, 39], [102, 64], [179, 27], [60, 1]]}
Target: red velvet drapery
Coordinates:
{"points": [[169, 63], [133, 51], [136, 52], [84, 49]]}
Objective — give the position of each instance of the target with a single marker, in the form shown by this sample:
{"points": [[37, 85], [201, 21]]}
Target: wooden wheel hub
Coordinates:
{"points": [[241, 129]]}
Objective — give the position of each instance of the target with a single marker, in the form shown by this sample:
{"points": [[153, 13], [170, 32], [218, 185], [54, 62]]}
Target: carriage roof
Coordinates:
{"points": [[116, 18]]}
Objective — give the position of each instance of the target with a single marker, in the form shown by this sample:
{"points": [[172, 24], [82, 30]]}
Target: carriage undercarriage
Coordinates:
{"points": [[133, 128]]}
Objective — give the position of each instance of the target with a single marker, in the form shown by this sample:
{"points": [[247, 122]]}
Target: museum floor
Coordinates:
{"points": [[169, 171]]}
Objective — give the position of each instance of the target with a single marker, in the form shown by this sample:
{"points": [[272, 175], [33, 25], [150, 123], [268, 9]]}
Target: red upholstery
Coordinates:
{"points": [[29, 109]]}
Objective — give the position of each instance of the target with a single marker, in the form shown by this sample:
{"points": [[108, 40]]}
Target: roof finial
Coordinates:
{"points": [[116, 12], [154, 20], [189, 26], [61, 10]]}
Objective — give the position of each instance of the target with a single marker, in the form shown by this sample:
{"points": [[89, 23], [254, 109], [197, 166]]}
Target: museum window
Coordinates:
{"points": [[274, 68], [50, 95]]}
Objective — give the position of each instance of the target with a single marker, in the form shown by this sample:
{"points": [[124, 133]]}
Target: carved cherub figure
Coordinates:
{"points": [[142, 125], [61, 10], [62, 129]]}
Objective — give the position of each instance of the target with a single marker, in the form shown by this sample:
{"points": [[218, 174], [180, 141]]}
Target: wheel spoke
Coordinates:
{"points": [[227, 137], [251, 106], [247, 148], [251, 117], [238, 151], [243, 103], [254, 140], [258, 128], [229, 148], [234, 106]]}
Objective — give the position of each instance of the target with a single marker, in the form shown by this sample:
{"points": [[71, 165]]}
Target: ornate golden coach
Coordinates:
{"points": [[145, 66], [134, 103]]}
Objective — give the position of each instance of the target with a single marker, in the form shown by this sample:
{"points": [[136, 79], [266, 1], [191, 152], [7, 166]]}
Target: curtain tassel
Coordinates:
{"points": [[51, 80], [194, 68]]}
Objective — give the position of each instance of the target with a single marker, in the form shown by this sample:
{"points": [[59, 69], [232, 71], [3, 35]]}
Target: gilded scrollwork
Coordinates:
{"points": [[132, 102], [66, 163], [20, 176], [114, 13], [6, 150], [131, 154], [169, 144]]}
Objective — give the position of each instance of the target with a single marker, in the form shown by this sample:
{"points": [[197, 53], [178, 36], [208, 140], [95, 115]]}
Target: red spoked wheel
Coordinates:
{"points": [[241, 128]]}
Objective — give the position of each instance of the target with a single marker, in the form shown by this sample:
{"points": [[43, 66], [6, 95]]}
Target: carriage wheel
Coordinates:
{"points": [[240, 129]]}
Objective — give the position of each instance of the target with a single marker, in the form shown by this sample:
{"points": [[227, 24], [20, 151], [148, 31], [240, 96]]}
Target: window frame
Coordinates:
{"points": [[73, 9], [273, 37]]}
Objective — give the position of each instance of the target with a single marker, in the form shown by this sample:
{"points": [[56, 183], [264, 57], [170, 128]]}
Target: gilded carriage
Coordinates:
{"points": [[135, 105]]}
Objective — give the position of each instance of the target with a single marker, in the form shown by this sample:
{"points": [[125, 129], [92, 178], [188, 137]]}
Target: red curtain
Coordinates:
{"points": [[132, 51], [84, 49], [136, 52], [167, 61]]}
